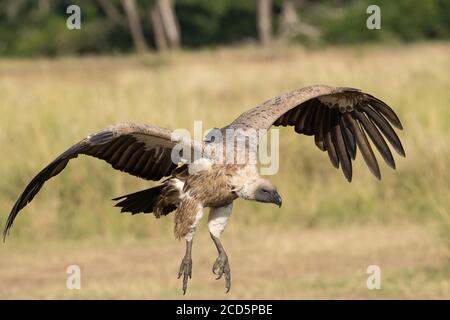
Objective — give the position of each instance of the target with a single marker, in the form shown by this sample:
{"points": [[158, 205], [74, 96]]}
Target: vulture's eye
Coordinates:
{"points": [[265, 191]]}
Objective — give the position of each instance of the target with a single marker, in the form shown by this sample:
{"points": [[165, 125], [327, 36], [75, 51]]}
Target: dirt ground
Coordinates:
{"points": [[266, 263]]}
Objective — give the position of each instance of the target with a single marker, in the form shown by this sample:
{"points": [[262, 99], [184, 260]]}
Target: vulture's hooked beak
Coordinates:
{"points": [[276, 198]]}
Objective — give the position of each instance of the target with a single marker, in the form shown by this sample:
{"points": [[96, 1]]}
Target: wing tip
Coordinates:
{"points": [[10, 220], [386, 110], [377, 175], [392, 165], [7, 229]]}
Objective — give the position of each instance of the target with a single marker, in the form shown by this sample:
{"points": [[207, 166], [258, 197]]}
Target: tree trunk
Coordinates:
{"points": [[170, 22], [158, 29], [264, 8], [12, 9], [134, 22], [289, 19], [44, 6], [112, 13], [291, 24]]}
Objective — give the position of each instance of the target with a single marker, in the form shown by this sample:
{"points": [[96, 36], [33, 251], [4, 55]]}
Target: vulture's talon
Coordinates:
{"points": [[185, 271], [222, 267]]}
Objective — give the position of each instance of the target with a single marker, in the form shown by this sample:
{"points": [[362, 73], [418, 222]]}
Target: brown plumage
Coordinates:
{"points": [[341, 120]]}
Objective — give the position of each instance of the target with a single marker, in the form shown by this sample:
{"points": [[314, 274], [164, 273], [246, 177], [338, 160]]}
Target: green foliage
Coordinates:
{"points": [[33, 31], [402, 20], [205, 22]]}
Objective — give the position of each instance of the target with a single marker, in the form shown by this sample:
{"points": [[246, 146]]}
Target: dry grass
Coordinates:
{"points": [[337, 228], [266, 263]]}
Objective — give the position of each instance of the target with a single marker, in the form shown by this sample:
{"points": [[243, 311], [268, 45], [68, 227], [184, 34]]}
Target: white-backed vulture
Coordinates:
{"points": [[341, 120]]}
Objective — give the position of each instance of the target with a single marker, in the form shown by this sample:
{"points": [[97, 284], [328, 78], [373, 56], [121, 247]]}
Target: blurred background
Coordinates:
{"points": [[170, 62]]}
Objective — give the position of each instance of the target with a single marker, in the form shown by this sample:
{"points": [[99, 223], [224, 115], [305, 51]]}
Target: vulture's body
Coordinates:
{"points": [[340, 119]]}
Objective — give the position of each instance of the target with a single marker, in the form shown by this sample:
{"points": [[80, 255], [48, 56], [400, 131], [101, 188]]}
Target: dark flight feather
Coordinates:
{"points": [[339, 144], [332, 154], [386, 128], [364, 146], [318, 127], [301, 118], [377, 139], [349, 138], [385, 110]]}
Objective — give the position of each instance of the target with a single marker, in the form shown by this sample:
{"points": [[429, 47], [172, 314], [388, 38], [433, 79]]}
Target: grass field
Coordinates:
{"points": [[317, 246]]}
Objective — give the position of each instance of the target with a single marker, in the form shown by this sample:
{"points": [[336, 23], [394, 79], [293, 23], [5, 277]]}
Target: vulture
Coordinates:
{"points": [[342, 120]]}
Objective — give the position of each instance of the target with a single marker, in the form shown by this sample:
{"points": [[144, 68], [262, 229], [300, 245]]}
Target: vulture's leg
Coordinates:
{"points": [[218, 218], [221, 266], [187, 210], [186, 265]]}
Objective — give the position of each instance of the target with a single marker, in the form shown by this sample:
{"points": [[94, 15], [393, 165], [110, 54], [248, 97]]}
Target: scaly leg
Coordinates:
{"points": [[221, 266], [186, 266]]}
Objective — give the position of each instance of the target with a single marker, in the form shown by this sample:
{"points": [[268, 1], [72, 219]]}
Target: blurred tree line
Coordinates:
{"points": [[38, 27]]}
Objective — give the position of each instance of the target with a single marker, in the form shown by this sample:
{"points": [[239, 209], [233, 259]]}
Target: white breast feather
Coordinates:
{"points": [[177, 183], [244, 176], [199, 165], [218, 219]]}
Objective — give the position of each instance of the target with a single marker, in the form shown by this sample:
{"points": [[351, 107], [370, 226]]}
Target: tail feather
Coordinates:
{"points": [[139, 202]]}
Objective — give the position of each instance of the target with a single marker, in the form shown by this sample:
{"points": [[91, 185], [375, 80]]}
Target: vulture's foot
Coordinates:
{"points": [[185, 271], [222, 267], [186, 266]]}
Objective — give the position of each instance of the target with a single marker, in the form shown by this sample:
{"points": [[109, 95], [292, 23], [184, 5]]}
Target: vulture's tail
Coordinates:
{"points": [[140, 202]]}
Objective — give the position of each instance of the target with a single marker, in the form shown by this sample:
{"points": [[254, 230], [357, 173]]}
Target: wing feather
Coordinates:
{"points": [[140, 150], [341, 150], [301, 119], [386, 128], [340, 119], [318, 127], [364, 146], [308, 127], [332, 154], [349, 138], [387, 111], [293, 116], [376, 138]]}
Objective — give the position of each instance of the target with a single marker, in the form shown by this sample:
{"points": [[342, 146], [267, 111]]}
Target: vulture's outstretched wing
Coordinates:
{"points": [[339, 119], [138, 149]]}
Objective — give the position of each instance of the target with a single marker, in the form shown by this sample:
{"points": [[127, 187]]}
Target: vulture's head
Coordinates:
{"points": [[261, 190]]}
